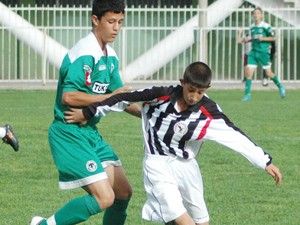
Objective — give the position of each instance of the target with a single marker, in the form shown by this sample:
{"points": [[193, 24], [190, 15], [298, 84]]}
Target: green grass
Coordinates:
{"points": [[236, 192]]}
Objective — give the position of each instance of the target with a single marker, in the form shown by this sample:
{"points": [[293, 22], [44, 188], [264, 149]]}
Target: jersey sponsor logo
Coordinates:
{"points": [[100, 88], [180, 128], [91, 166], [102, 67], [87, 72]]}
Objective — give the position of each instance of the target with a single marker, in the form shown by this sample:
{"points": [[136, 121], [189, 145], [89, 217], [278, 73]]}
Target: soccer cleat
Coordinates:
{"points": [[265, 82], [246, 98], [36, 220], [282, 91], [10, 138]]}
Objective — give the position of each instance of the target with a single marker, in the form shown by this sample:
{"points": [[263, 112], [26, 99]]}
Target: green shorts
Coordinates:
{"points": [[80, 154], [259, 58]]}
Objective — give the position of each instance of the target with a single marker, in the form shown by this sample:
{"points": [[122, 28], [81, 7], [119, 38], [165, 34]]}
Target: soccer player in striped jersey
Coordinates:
{"points": [[261, 37], [175, 122], [89, 73]]}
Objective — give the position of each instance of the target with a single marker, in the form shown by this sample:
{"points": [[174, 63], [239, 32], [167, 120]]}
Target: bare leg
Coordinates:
{"points": [[173, 223], [269, 72], [170, 223], [116, 214], [249, 71], [102, 192], [184, 219], [119, 182], [206, 223]]}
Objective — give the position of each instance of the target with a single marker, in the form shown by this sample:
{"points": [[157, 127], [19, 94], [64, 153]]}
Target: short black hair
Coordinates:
{"points": [[257, 8], [198, 74], [100, 7]]}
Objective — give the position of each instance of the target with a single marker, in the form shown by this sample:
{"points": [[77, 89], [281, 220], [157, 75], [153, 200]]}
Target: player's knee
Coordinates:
{"points": [[269, 73], [124, 193], [106, 199], [249, 72], [127, 192]]}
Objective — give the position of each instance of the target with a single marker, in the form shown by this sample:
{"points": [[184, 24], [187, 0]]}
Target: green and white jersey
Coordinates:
{"points": [[86, 69], [263, 29]]}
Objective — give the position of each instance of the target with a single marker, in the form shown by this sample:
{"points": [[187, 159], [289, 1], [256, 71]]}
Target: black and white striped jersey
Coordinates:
{"points": [[170, 132]]}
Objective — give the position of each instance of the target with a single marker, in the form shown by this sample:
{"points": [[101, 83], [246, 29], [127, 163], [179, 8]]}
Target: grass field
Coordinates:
{"points": [[236, 192]]}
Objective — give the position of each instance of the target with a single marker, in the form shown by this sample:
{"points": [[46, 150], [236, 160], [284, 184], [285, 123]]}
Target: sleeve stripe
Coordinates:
{"points": [[164, 98], [209, 116]]}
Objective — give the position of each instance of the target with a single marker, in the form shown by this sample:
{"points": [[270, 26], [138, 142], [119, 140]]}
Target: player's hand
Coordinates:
{"points": [[275, 173], [122, 90], [260, 38], [75, 116]]}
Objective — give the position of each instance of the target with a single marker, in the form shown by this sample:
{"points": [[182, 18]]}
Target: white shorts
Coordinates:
{"points": [[173, 186]]}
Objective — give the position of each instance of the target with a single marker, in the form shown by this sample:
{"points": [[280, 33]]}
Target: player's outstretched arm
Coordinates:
{"points": [[82, 99], [275, 173], [267, 39], [134, 109]]}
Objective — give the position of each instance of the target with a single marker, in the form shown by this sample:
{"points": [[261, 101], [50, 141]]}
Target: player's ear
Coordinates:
{"points": [[95, 20]]}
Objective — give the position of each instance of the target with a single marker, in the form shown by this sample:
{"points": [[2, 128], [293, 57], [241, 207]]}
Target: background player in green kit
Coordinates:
{"points": [[261, 38], [89, 73]]}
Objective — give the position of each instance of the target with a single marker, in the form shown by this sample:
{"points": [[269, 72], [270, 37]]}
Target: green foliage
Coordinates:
{"points": [[236, 192]]}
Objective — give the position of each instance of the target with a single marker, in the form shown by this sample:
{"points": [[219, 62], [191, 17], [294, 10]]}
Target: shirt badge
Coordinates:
{"points": [[180, 128], [87, 72]]}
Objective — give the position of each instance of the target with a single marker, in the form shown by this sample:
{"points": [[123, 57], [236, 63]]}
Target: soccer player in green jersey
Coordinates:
{"points": [[246, 41], [89, 73], [261, 38]]}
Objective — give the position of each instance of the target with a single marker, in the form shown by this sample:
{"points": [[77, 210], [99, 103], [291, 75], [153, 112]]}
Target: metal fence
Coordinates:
{"points": [[143, 29], [130, 3]]}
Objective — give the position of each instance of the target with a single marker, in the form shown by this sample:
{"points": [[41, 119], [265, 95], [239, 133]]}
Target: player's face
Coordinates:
{"points": [[107, 27], [192, 94], [257, 15]]}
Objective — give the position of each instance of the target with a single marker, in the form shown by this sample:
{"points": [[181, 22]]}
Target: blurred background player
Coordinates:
{"points": [[176, 121], [89, 73], [8, 137], [260, 53], [246, 40]]}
